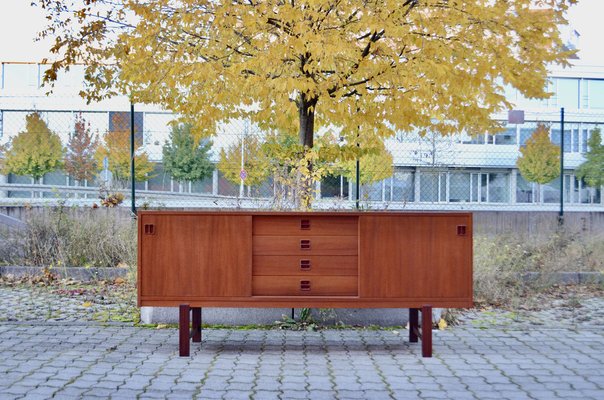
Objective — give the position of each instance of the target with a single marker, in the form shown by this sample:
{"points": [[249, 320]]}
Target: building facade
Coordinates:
{"points": [[430, 172]]}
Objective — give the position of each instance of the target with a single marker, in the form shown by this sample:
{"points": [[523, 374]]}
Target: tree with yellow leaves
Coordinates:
{"points": [[374, 67], [375, 164], [255, 162], [540, 158], [116, 148], [386, 66], [35, 151]]}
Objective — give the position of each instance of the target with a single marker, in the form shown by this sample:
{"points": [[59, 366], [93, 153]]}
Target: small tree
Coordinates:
{"points": [[185, 158], [375, 164], [540, 158], [80, 162], [35, 151], [255, 162], [116, 147], [592, 169]]}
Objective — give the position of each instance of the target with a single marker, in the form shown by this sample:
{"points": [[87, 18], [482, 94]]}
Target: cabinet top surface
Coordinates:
{"points": [[306, 213]]}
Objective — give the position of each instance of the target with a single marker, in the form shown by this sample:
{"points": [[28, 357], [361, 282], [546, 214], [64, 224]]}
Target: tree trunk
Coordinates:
{"points": [[306, 111]]}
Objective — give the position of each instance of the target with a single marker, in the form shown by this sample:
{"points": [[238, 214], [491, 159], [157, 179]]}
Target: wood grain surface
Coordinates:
{"points": [[291, 245], [317, 286], [415, 256], [196, 256], [314, 225], [317, 265]]}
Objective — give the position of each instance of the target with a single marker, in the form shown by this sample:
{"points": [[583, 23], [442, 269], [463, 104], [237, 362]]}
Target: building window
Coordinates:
{"points": [[567, 93], [584, 138], [525, 134], [474, 139], [588, 194], [551, 191], [20, 76], [433, 186], [555, 136], [499, 188], [506, 137], [459, 187], [490, 187], [334, 186], [402, 186], [525, 190], [592, 93]]}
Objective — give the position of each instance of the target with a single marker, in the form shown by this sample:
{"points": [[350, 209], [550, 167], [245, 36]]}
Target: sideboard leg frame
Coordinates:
{"points": [[196, 333], [426, 331], [184, 334], [413, 324]]}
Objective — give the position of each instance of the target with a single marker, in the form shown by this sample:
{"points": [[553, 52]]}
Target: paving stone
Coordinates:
{"points": [[80, 358]]}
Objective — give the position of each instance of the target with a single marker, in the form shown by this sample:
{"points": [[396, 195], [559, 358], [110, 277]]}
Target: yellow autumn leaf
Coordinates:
{"points": [[86, 304], [442, 324]]}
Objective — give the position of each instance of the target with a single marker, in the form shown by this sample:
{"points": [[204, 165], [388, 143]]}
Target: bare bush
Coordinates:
{"points": [[502, 262], [70, 236]]}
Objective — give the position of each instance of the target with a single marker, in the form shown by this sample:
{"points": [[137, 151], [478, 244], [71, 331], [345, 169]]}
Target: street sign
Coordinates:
{"points": [[516, 116]]}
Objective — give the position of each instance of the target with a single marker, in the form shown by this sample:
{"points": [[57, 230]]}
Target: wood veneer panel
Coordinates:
{"points": [[415, 257], [188, 255], [305, 265], [315, 286], [292, 245], [305, 224], [306, 301]]}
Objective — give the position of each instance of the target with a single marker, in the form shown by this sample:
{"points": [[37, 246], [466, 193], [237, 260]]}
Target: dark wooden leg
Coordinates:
{"points": [[196, 324], [413, 324], [426, 331], [183, 330]]}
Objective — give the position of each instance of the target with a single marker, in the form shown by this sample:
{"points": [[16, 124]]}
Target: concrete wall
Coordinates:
{"points": [[485, 222]]}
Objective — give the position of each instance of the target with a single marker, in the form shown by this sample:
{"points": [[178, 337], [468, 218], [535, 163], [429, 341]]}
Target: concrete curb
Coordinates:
{"points": [[78, 273], [565, 278]]}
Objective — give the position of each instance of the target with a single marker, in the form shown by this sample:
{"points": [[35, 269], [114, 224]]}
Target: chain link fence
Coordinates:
{"points": [[239, 166]]}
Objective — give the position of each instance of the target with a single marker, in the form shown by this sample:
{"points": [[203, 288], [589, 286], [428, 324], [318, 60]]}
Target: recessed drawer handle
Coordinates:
{"points": [[305, 224], [305, 244], [461, 230], [149, 229], [305, 265], [305, 286]]}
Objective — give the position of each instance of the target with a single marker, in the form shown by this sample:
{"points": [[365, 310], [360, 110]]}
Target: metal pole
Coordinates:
{"points": [[243, 134], [358, 180], [132, 177], [561, 216], [358, 174]]}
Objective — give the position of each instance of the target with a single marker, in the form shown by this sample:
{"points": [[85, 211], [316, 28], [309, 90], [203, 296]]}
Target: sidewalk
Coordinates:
{"points": [[499, 358]]}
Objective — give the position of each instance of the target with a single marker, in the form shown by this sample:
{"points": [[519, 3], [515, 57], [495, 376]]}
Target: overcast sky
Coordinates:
{"points": [[19, 23]]}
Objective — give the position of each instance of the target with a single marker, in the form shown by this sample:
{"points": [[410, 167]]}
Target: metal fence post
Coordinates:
{"points": [[561, 215], [132, 177]]}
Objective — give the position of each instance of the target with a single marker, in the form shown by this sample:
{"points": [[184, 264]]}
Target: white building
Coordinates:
{"points": [[460, 172]]}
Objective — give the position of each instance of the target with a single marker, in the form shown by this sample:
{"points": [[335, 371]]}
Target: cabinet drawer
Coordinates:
{"points": [[305, 245], [305, 265], [305, 285], [305, 225]]}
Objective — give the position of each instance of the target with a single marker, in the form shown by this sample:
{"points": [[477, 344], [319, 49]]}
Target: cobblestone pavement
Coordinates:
{"points": [[41, 358]]}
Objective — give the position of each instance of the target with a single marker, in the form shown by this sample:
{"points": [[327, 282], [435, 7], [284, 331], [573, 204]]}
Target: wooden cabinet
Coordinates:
{"points": [[188, 256], [267, 259], [263, 259]]}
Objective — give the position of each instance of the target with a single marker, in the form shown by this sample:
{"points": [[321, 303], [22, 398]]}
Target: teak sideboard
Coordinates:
{"points": [[195, 259]]}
